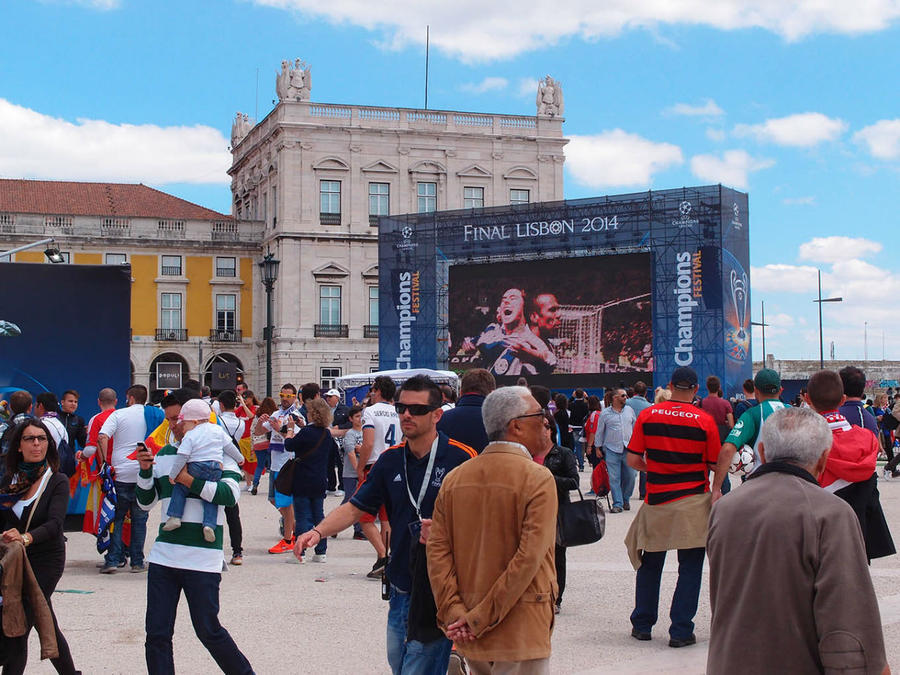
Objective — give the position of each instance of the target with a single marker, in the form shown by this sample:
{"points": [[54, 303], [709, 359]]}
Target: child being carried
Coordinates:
{"points": [[202, 450]]}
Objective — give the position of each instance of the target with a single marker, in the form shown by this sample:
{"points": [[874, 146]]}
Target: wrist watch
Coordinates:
{"points": [[27, 539]]}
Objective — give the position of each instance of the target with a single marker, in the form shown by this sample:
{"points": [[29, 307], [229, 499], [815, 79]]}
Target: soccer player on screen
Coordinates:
{"points": [[510, 347]]}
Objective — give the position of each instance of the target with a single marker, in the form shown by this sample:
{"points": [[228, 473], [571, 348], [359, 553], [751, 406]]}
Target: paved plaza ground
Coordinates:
{"points": [[328, 618]]}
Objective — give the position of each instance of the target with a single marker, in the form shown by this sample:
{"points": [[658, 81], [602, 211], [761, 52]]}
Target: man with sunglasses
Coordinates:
{"points": [[275, 423], [405, 479], [614, 429]]}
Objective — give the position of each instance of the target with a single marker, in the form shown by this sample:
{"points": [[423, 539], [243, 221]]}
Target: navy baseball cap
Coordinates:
{"points": [[684, 377]]}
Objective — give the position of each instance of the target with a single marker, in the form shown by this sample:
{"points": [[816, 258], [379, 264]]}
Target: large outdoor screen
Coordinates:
{"points": [[549, 318]]}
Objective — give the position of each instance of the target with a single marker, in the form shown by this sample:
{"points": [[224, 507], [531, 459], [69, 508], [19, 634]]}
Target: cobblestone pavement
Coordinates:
{"points": [[328, 618]]}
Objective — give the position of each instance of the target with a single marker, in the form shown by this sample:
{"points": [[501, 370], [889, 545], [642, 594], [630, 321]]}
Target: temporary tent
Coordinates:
{"points": [[357, 386]]}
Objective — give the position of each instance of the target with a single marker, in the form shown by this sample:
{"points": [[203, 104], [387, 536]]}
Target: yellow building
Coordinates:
{"points": [[193, 270]]}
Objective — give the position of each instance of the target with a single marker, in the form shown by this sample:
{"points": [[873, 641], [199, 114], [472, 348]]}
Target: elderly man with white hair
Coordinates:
{"points": [[490, 551], [789, 579]]}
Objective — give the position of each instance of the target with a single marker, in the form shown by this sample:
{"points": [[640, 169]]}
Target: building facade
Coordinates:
{"points": [[194, 272], [319, 175]]}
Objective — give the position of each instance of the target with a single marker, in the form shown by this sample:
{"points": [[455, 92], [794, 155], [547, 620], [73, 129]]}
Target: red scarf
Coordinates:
{"points": [[854, 451]]}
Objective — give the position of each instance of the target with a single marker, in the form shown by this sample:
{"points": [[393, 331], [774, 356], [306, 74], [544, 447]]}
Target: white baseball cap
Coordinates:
{"points": [[333, 392]]}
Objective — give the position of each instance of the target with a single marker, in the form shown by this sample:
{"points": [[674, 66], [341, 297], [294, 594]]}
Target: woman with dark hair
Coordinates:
{"points": [[590, 429], [311, 445], [259, 438], [37, 496], [561, 416], [561, 463]]}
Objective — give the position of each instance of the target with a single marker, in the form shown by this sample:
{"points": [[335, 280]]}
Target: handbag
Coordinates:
{"points": [[580, 522], [284, 481]]}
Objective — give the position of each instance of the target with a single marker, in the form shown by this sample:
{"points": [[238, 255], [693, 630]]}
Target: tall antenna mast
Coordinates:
{"points": [[427, 46]]}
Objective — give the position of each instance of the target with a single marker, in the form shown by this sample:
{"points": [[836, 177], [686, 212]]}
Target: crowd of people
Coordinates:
{"points": [[418, 465]]}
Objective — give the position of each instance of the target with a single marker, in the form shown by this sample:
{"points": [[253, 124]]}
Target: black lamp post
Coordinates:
{"points": [[268, 268], [820, 300]]}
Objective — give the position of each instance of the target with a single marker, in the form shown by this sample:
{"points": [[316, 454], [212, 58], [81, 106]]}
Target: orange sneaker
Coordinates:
{"points": [[283, 546]]}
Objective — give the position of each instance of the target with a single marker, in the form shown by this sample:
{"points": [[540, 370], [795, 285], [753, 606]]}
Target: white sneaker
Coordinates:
{"points": [[209, 534], [172, 523], [319, 557], [887, 476], [338, 493]]}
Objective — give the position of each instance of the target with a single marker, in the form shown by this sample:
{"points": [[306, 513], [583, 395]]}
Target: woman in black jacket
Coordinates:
{"points": [[311, 445], [561, 417], [562, 464], [32, 484]]}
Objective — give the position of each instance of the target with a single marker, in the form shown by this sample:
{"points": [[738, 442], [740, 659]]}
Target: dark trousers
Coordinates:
{"points": [[560, 556], [201, 590], [335, 464], [235, 531], [17, 648], [687, 591]]}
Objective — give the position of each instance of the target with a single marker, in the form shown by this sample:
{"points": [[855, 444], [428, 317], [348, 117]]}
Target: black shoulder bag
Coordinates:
{"points": [[580, 522], [284, 482]]}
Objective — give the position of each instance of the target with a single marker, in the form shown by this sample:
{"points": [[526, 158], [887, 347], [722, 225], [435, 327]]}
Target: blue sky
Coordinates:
{"points": [[798, 105]]}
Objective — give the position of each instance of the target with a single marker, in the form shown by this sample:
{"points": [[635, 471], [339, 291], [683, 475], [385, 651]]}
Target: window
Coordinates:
{"points": [[170, 306], [274, 207], [330, 305], [473, 197], [330, 202], [519, 197], [225, 311], [226, 267], [328, 376], [265, 206], [373, 305], [427, 197], [379, 201], [171, 266], [116, 259]]}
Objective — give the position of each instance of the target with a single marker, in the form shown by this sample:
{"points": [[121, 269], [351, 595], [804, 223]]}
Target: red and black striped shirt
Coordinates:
{"points": [[677, 440]]}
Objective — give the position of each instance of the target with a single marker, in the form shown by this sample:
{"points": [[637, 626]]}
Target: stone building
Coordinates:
{"points": [[319, 175], [194, 271]]}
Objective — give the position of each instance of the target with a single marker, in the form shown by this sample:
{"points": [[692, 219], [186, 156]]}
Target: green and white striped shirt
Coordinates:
{"points": [[185, 547]]}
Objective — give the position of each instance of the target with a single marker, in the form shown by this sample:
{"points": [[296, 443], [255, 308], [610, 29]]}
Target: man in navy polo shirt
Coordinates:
{"points": [[405, 480]]}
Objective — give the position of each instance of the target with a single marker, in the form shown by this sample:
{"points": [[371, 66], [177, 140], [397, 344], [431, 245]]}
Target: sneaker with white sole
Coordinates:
{"points": [[319, 557], [887, 474], [172, 523], [209, 534]]}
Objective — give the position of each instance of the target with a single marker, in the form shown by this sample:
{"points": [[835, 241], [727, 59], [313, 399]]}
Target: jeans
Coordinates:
{"points": [[262, 463], [309, 512], [206, 471], [127, 503], [579, 447], [349, 485], [687, 591], [411, 657], [201, 590], [621, 477]]}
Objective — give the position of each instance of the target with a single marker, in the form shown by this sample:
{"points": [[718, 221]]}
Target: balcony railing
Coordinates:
{"points": [[171, 271], [220, 335], [370, 331], [330, 218], [171, 334], [334, 330], [225, 272]]}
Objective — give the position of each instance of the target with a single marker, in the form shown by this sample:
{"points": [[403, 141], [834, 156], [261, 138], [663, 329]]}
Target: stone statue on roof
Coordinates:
{"points": [[294, 82], [549, 97], [240, 128]]}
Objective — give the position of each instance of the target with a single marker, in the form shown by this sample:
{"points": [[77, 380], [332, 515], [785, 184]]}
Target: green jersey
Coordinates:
{"points": [[746, 430]]}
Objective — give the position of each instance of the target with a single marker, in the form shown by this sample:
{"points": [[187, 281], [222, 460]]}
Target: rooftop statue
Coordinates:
{"points": [[294, 81], [549, 97]]}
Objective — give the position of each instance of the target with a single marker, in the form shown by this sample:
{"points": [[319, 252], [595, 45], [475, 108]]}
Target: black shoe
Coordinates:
{"points": [[627, 506], [253, 490], [359, 536], [639, 635], [686, 642], [616, 509], [378, 568]]}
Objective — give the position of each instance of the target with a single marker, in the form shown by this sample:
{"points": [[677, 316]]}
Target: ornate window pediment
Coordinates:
{"points": [[474, 171], [521, 172], [331, 270], [379, 167], [331, 164], [428, 166], [371, 272]]}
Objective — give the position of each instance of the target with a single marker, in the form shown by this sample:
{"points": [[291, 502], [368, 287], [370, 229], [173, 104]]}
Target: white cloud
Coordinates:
{"points": [[34, 145], [102, 5], [732, 168], [882, 139], [707, 109], [835, 249], [717, 135], [802, 130], [486, 85], [783, 278], [618, 159], [799, 201], [476, 30], [528, 87]]}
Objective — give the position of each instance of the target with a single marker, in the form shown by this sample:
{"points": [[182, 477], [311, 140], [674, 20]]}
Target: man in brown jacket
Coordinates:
{"points": [[789, 580], [490, 551]]}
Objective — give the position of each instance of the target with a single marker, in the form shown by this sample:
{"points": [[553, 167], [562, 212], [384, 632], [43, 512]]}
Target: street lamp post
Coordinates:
{"points": [[268, 268], [763, 325], [820, 300]]}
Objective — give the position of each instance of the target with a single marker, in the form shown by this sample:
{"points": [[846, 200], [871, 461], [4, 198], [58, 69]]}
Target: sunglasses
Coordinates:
{"points": [[415, 409], [539, 413], [32, 439], [287, 396]]}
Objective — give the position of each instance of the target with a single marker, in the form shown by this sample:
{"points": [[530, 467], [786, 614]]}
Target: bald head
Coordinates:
{"points": [[106, 399]]}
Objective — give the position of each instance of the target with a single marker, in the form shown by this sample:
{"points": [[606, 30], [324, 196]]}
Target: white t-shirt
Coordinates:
{"points": [[57, 429], [206, 442], [383, 418], [127, 428], [279, 457]]}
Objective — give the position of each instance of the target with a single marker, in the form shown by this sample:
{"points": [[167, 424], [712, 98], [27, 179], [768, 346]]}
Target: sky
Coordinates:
{"points": [[796, 103]]}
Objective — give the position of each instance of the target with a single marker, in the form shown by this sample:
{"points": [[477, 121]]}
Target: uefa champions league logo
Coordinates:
{"points": [[685, 219], [736, 216], [406, 243], [739, 298], [407, 232], [684, 208]]}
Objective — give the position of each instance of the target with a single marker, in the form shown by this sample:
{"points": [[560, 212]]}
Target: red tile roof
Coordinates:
{"points": [[122, 200]]}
